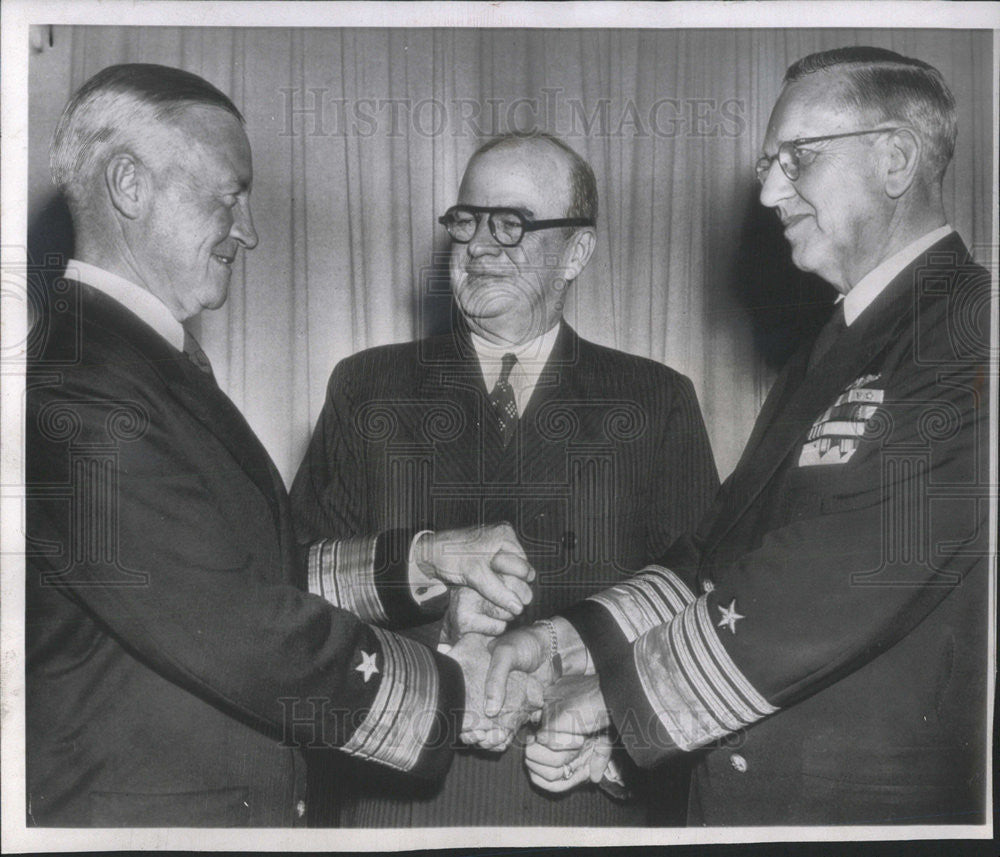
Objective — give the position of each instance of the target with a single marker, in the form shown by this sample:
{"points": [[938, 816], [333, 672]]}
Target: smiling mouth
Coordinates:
{"points": [[224, 260], [789, 222]]}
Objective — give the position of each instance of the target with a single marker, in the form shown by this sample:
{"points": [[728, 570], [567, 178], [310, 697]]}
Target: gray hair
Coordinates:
{"points": [[888, 87], [117, 106], [583, 185]]}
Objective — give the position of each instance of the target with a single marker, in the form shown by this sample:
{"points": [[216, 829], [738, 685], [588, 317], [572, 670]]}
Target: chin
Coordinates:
{"points": [[489, 303], [216, 299]]}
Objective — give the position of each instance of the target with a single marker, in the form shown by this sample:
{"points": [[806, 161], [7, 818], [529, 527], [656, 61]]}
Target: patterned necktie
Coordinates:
{"points": [[194, 353], [503, 402], [828, 335]]}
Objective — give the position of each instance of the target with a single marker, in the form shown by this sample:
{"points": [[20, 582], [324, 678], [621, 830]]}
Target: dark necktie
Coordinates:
{"points": [[828, 335], [194, 353], [503, 402]]}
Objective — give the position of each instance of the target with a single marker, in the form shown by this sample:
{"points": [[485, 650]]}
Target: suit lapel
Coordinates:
{"points": [[193, 390], [453, 376], [559, 376], [785, 385], [200, 395], [782, 425]]}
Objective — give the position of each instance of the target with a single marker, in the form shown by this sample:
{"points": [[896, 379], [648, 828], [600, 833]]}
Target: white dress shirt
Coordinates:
{"points": [[871, 285], [135, 299], [531, 359]]}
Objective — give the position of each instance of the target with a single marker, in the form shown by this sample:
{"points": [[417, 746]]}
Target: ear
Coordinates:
{"points": [[579, 252], [125, 181], [904, 154]]}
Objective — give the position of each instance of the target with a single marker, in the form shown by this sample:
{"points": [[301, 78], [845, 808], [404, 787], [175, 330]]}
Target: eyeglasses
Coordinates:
{"points": [[507, 225], [790, 158]]}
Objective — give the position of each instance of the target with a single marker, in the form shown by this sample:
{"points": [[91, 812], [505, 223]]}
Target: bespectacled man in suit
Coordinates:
{"points": [[598, 459], [176, 664], [827, 652]]}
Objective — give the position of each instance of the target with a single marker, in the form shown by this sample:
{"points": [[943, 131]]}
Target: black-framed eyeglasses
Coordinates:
{"points": [[790, 157], [507, 225]]}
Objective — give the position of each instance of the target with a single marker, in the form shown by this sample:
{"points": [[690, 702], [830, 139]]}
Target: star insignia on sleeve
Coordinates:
{"points": [[729, 616], [367, 665]]}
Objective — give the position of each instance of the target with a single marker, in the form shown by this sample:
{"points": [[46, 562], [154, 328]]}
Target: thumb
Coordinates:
{"points": [[496, 678]]}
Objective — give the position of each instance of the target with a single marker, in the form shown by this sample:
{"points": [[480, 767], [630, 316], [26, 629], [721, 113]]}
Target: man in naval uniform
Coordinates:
{"points": [[826, 655], [176, 666]]}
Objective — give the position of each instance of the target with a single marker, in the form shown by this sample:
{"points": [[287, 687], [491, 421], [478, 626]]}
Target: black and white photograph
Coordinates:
{"points": [[458, 425]]}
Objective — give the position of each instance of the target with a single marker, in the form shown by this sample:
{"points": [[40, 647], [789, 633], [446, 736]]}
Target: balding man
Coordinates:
{"points": [[598, 459], [828, 651], [175, 665]]}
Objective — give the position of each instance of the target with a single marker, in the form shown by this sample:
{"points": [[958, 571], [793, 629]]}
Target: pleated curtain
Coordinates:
{"points": [[360, 137]]}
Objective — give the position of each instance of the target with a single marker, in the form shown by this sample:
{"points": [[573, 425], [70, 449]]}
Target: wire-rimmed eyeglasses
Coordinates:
{"points": [[790, 158], [507, 225]]}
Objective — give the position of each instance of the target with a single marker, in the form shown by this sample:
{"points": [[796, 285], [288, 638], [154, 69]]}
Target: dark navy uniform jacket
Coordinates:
{"points": [[825, 658], [175, 663]]}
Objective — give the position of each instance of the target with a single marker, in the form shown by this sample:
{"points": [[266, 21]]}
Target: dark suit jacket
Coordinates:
{"points": [[838, 645], [174, 666], [610, 465]]}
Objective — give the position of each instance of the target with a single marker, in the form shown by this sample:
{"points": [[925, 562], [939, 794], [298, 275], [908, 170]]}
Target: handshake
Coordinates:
{"points": [[511, 677]]}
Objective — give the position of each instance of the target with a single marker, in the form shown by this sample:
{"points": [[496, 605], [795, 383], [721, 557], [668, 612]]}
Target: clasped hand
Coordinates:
{"points": [[487, 573], [522, 698], [571, 745]]}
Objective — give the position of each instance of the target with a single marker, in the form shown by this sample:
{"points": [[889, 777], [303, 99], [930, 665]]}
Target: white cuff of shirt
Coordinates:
{"points": [[422, 587]]}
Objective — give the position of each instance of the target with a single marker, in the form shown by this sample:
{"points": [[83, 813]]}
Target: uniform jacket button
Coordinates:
{"points": [[300, 809], [569, 540], [738, 762]]}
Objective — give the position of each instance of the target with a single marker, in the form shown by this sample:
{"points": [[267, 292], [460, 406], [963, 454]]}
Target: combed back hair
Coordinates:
{"points": [[583, 185], [117, 107], [885, 86]]}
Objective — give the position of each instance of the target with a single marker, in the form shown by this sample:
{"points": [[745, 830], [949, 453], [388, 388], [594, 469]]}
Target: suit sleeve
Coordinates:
{"points": [[349, 562], [858, 564], [687, 478], [205, 604]]}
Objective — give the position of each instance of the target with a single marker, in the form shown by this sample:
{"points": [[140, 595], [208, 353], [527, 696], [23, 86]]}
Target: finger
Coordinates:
{"points": [[520, 588], [599, 760], [488, 608], [538, 754], [535, 697], [496, 739], [476, 623], [490, 587], [560, 741], [551, 773], [513, 564], [560, 783], [495, 692]]}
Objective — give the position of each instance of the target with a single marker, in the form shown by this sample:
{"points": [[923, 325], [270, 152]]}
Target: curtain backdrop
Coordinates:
{"points": [[359, 140]]}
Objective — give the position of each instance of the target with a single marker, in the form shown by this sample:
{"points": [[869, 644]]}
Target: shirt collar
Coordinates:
{"points": [[872, 284], [135, 299], [531, 359]]}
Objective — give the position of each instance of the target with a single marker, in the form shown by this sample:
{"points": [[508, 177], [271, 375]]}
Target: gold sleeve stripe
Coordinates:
{"points": [[402, 715], [342, 572], [692, 684], [652, 597]]}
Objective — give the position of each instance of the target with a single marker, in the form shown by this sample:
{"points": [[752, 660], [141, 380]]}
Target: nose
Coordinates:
{"points": [[777, 186], [243, 229], [483, 243]]}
